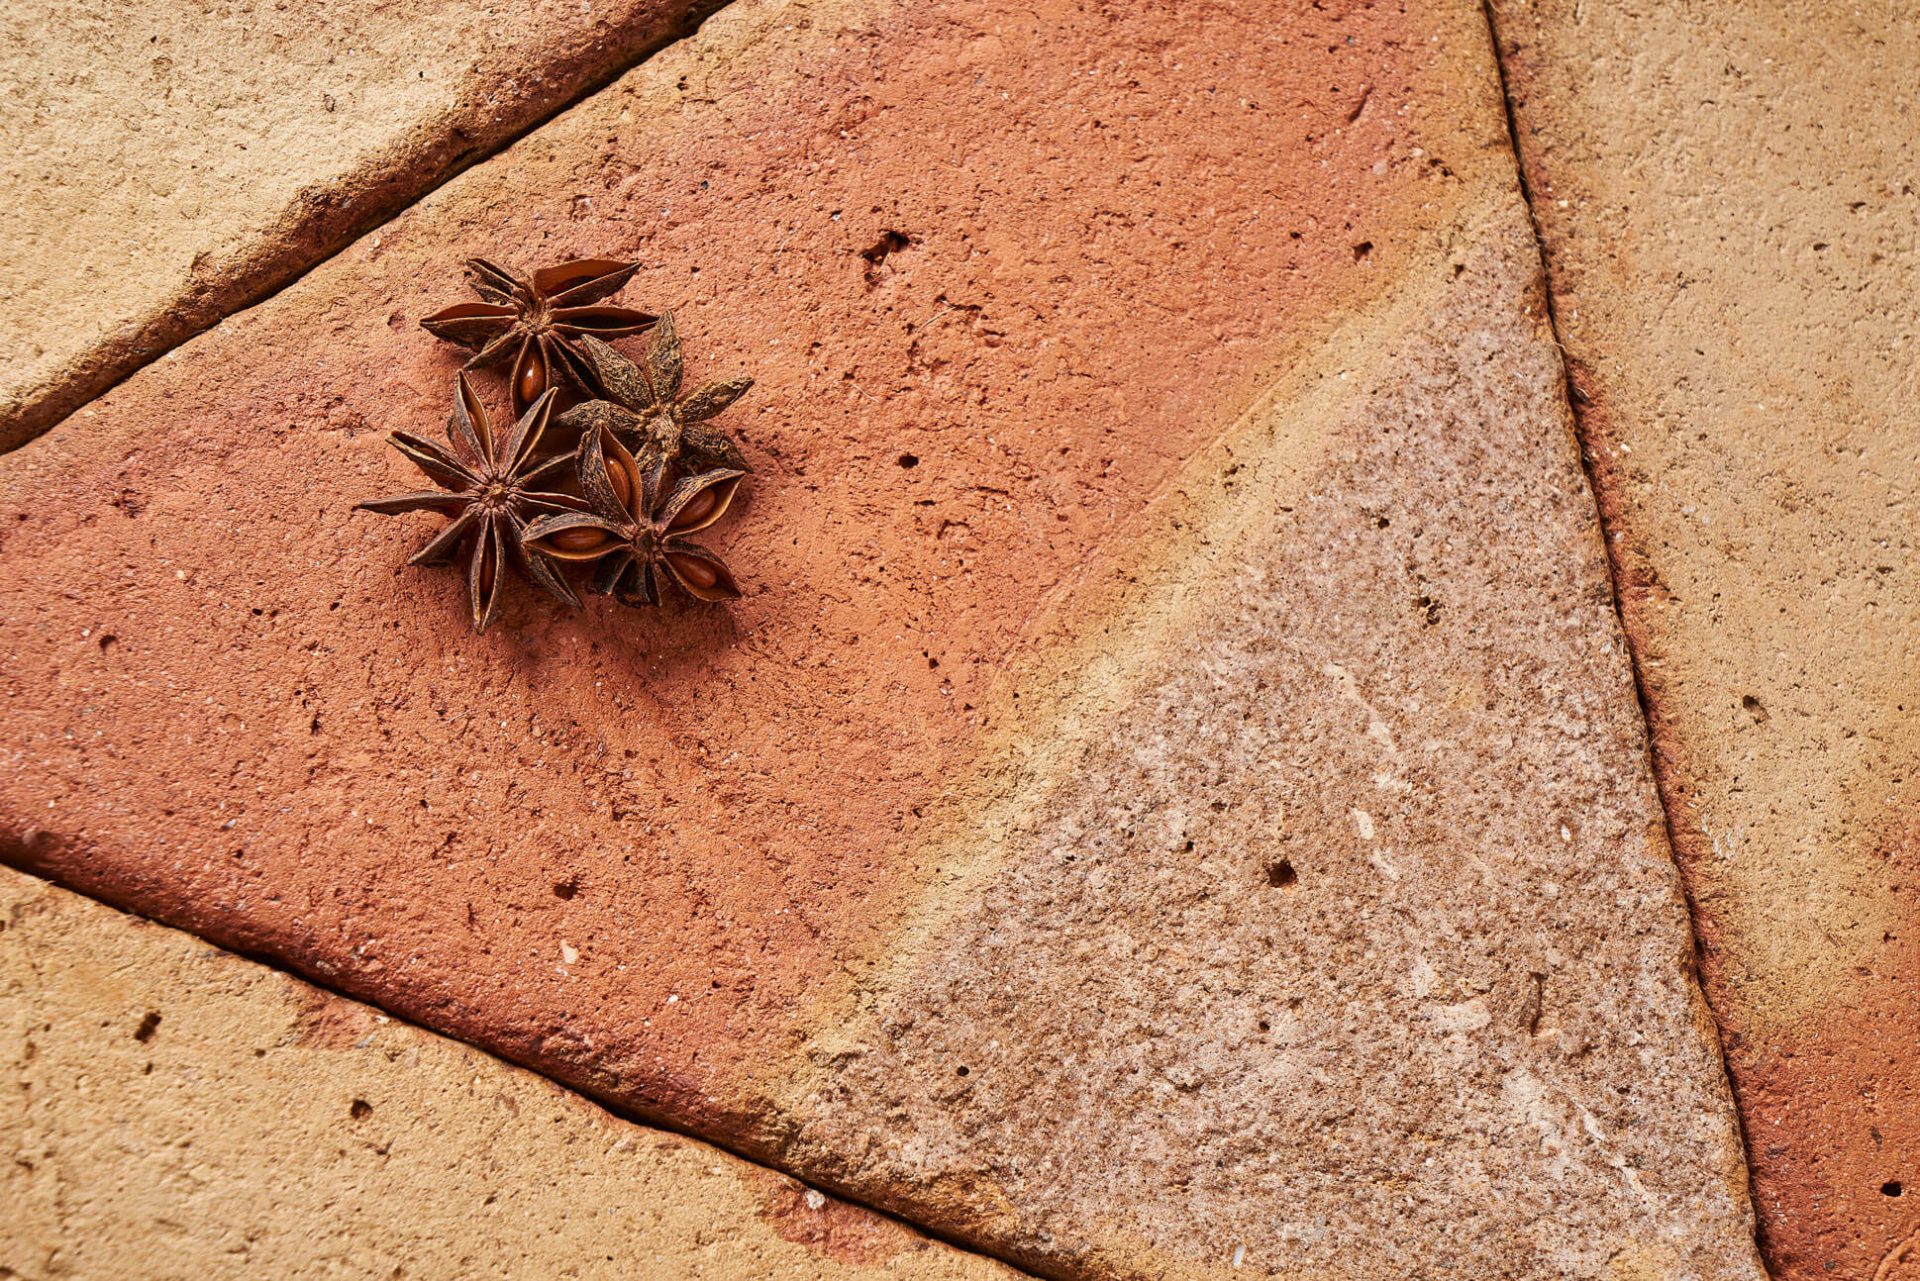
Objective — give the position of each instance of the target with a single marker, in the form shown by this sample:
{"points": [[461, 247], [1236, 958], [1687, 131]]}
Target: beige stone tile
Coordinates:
{"points": [[1729, 204], [173, 1110], [167, 162]]}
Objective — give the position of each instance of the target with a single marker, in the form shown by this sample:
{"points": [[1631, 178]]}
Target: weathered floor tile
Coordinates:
{"points": [[172, 1110], [1177, 682], [1319, 871], [168, 163], [1729, 208]]}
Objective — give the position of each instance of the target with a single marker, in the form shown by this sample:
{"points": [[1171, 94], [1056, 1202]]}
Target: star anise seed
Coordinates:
{"points": [[539, 321], [645, 410], [638, 529], [491, 490]]}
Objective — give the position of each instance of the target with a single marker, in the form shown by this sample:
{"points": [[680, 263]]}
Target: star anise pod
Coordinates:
{"points": [[645, 410], [539, 322], [491, 490], [637, 528]]}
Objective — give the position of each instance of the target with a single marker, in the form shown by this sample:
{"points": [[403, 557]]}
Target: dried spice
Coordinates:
{"points": [[646, 412], [637, 528], [492, 489], [611, 493], [539, 322]]}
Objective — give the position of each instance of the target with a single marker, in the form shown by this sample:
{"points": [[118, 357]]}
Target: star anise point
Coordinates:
{"points": [[638, 530], [539, 321], [484, 490]]}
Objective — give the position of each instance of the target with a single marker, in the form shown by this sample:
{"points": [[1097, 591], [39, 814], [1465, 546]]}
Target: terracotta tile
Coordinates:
{"points": [[1240, 474]]}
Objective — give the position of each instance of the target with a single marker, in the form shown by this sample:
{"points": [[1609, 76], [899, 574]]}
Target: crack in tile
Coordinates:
{"points": [[1607, 515]]}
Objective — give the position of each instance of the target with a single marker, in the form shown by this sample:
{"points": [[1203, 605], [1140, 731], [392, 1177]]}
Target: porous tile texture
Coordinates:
{"points": [[172, 1110], [167, 163], [1316, 914], [1172, 794], [1730, 232]]}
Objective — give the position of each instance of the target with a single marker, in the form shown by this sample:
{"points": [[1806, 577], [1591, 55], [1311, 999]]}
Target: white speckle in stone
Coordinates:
{"points": [[1468, 1016], [1376, 725], [1422, 977]]}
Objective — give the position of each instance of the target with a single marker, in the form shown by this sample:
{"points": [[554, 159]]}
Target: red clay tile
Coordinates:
{"points": [[704, 862]]}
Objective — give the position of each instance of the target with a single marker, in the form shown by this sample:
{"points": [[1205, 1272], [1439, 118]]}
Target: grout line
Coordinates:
{"points": [[48, 411], [612, 1107], [1604, 511]]}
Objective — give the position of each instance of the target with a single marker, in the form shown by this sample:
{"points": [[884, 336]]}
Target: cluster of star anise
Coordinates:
{"points": [[605, 493]]}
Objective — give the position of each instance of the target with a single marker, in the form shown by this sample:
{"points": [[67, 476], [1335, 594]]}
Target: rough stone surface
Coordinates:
{"points": [[1729, 205], [1321, 872], [167, 162], [172, 1110], [1174, 605]]}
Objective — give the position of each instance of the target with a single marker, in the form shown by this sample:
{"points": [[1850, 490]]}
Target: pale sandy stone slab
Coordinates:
{"points": [[173, 1110], [1729, 203], [167, 162]]}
